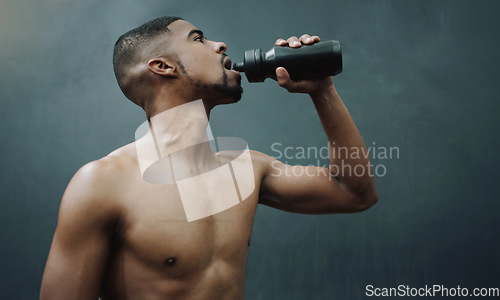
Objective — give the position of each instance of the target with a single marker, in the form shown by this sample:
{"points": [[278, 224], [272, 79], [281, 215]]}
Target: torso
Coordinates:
{"points": [[157, 254]]}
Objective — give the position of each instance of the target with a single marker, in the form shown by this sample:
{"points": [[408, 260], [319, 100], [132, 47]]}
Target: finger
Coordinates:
{"points": [[293, 42], [306, 39], [280, 42], [315, 38], [284, 78]]}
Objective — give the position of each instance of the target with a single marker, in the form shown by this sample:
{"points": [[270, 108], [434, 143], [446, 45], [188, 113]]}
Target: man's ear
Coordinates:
{"points": [[162, 67]]}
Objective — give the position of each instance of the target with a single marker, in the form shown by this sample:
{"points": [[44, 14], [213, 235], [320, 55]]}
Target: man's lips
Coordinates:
{"points": [[227, 63]]}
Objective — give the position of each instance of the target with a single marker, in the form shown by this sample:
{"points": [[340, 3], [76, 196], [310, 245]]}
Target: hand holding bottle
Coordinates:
{"points": [[309, 86]]}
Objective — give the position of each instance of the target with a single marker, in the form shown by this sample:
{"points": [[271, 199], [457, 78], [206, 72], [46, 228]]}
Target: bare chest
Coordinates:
{"points": [[156, 231]]}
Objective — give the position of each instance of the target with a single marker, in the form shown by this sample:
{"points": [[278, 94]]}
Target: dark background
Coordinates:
{"points": [[418, 75]]}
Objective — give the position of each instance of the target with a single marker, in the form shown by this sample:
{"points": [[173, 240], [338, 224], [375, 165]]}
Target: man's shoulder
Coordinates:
{"points": [[104, 176], [92, 198], [108, 166], [260, 161]]}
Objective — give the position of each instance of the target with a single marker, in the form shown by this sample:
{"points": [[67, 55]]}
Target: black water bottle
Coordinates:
{"points": [[307, 62]]}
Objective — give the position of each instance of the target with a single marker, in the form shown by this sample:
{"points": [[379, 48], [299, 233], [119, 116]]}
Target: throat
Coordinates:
{"points": [[178, 143], [180, 127]]}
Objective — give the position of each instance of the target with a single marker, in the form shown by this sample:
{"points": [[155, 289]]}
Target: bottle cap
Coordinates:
{"points": [[240, 67]]}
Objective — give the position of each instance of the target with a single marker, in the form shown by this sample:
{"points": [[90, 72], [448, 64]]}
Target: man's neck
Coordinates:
{"points": [[182, 132], [180, 127]]}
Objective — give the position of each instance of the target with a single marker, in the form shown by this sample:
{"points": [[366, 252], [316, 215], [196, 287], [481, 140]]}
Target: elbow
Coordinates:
{"points": [[371, 201], [368, 198]]}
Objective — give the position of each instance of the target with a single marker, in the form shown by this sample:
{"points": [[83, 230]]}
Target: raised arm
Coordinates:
{"points": [[348, 185], [81, 243]]}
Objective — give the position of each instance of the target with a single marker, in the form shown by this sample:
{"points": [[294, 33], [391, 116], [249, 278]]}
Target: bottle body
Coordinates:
{"points": [[309, 61]]}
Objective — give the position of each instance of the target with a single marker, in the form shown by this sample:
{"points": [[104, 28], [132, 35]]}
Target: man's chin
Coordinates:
{"points": [[217, 94], [227, 100], [238, 94], [229, 95]]}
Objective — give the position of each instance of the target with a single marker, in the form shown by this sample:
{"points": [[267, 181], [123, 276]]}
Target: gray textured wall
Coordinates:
{"points": [[418, 75]]}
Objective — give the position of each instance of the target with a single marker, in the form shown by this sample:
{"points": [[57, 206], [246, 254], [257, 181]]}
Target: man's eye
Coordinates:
{"points": [[199, 39]]}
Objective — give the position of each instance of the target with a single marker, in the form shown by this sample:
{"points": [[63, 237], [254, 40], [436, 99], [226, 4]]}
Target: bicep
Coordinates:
{"points": [[75, 271], [306, 189], [81, 244]]}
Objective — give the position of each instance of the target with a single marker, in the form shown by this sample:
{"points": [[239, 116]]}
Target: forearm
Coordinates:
{"points": [[349, 159]]}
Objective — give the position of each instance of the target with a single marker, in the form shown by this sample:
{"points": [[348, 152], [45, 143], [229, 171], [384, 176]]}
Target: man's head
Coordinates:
{"points": [[168, 59]]}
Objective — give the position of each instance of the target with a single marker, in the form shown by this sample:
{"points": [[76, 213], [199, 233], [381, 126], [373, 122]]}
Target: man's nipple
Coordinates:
{"points": [[170, 261]]}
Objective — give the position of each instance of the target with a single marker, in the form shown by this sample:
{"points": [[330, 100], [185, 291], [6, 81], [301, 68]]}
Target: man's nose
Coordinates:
{"points": [[220, 47]]}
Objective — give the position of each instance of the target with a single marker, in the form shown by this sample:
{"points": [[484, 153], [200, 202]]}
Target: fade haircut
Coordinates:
{"points": [[128, 49]]}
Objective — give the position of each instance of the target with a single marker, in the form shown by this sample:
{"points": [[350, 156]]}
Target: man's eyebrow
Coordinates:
{"points": [[195, 31]]}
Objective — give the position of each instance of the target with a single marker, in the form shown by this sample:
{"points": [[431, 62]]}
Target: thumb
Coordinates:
{"points": [[282, 76]]}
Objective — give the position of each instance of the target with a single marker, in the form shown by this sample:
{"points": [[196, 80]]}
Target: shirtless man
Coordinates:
{"points": [[121, 237]]}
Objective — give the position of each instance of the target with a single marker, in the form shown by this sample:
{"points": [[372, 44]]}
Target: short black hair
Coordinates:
{"points": [[129, 45]]}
